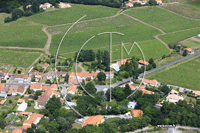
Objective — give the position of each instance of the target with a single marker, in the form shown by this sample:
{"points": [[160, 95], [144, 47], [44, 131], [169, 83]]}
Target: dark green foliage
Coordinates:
{"points": [[66, 78], [10, 101], [101, 76], [33, 126], [68, 97], [185, 53], [85, 55], [152, 2], [29, 130], [33, 78], [90, 88], [2, 123], [53, 104]]}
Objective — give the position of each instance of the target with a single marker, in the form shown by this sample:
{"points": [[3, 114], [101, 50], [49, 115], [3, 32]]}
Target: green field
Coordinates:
{"points": [[179, 36], [165, 20], [151, 49], [17, 58], [72, 14], [132, 30], [190, 43], [184, 9], [185, 74], [22, 33], [2, 17]]}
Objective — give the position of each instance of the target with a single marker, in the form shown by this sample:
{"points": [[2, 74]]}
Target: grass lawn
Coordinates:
{"points": [[72, 14], [3, 16], [179, 36], [151, 49], [191, 43], [184, 74], [163, 19], [132, 30], [74, 69], [184, 9], [76, 125], [17, 58], [22, 33], [187, 99], [32, 109]]}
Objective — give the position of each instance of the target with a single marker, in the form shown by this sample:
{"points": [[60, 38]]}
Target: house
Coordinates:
{"points": [[70, 80], [72, 89], [17, 131], [129, 4], [28, 6], [44, 66], [45, 88], [20, 101], [33, 118], [173, 96], [45, 6], [25, 113], [37, 74], [54, 86], [132, 87], [136, 113], [141, 88], [51, 75], [19, 78], [2, 102], [189, 50], [21, 89], [116, 66], [109, 75], [196, 93], [12, 91], [36, 87], [42, 100], [132, 104], [144, 91], [61, 73], [150, 82], [22, 107], [142, 63], [94, 120], [64, 5], [159, 1]]}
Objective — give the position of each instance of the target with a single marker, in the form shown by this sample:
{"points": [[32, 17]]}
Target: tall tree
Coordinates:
{"points": [[99, 56], [101, 76], [106, 58], [90, 88], [53, 104]]}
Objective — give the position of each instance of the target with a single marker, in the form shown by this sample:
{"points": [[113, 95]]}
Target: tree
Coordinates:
{"points": [[151, 61], [152, 2], [69, 97], [38, 93], [127, 90], [106, 58], [53, 104], [66, 78], [40, 69], [90, 88], [33, 126], [101, 76], [35, 7], [2, 123], [47, 81], [29, 130], [20, 116], [35, 97], [17, 13], [33, 78], [41, 129], [53, 127], [99, 56], [63, 124], [29, 103], [154, 65], [185, 53], [10, 101]]}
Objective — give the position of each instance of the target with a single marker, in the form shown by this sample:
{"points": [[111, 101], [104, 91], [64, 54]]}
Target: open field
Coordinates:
{"points": [[184, 9], [151, 49], [131, 29], [17, 58], [163, 19], [190, 43], [72, 14], [2, 16], [22, 34], [179, 36], [184, 74]]}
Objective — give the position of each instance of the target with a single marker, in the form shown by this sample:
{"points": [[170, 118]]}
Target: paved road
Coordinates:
{"points": [[174, 62], [188, 128]]}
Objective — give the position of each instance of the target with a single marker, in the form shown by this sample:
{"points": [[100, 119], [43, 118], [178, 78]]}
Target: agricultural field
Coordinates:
{"points": [[73, 41], [17, 58], [72, 14], [179, 36], [2, 16], [163, 19], [22, 33], [184, 9], [191, 42], [151, 49], [184, 74]]}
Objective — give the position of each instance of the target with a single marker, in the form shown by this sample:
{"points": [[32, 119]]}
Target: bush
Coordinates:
{"points": [[10, 101], [7, 19], [163, 57]]}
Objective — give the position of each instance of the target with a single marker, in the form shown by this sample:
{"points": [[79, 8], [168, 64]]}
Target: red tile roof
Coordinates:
{"points": [[35, 86], [188, 49], [17, 131], [154, 82], [143, 62], [93, 120], [32, 119], [136, 113], [72, 88]]}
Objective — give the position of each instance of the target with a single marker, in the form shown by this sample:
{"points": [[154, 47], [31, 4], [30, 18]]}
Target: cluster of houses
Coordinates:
{"points": [[142, 2], [48, 5], [116, 66]]}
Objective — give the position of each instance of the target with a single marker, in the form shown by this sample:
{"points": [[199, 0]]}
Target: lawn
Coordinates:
{"points": [[22, 34], [179, 36], [17, 58], [132, 30], [187, 99], [184, 9], [184, 74], [163, 19], [76, 125], [68, 15], [2, 17], [112, 119], [32, 109], [191, 43], [151, 49]]}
